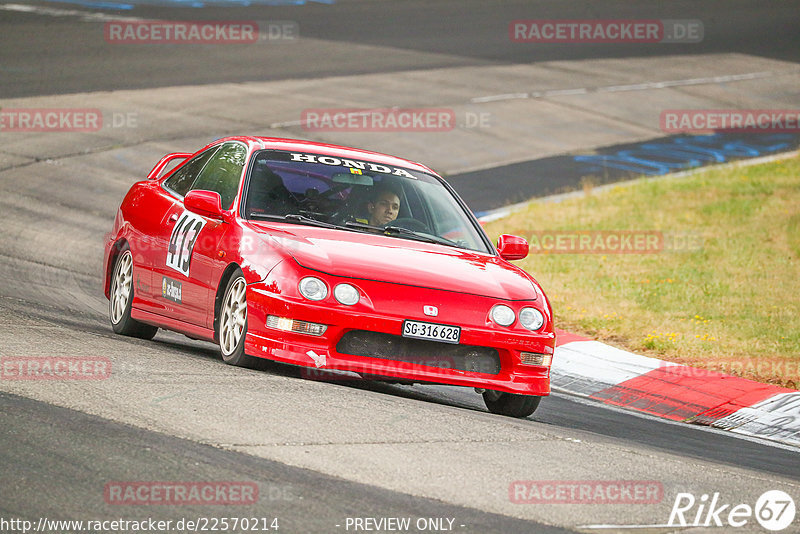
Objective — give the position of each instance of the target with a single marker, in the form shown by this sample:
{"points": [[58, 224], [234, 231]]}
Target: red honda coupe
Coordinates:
{"points": [[331, 258]]}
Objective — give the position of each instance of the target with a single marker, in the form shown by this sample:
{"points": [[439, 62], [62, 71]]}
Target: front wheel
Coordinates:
{"points": [[510, 404], [233, 322], [120, 300]]}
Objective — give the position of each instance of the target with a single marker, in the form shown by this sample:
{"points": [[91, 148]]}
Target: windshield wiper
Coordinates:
{"points": [[352, 225], [292, 218], [399, 230]]}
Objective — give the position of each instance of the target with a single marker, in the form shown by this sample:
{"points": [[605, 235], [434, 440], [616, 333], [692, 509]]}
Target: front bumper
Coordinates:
{"points": [[486, 357]]}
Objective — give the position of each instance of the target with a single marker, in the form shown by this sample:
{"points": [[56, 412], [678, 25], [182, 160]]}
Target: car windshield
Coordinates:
{"points": [[357, 195]]}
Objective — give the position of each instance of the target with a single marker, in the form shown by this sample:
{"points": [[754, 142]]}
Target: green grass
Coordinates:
{"points": [[731, 304]]}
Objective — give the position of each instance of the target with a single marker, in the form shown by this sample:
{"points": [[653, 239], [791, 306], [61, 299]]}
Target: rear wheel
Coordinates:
{"points": [[120, 300], [233, 322], [510, 404]]}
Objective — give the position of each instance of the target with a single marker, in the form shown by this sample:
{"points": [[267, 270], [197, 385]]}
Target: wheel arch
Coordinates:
{"points": [[223, 283], [114, 253]]}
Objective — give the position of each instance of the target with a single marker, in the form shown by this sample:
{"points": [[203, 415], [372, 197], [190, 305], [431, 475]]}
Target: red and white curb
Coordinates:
{"points": [[588, 368], [592, 369]]}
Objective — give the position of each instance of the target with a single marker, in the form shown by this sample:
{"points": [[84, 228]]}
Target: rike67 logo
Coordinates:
{"points": [[774, 510]]}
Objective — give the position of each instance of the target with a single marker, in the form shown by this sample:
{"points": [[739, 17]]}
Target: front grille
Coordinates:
{"points": [[469, 358]]}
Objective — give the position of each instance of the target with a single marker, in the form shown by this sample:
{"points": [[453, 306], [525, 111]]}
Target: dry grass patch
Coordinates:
{"points": [[724, 294]]}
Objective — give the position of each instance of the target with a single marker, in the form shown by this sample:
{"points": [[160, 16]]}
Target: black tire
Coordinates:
{"points": [[232, 322], [511, 404], [120, 300]]}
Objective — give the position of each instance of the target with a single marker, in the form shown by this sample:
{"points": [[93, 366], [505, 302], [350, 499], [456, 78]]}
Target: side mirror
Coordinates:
{"points": [[206, 203], [157, 171], [512, 247]]}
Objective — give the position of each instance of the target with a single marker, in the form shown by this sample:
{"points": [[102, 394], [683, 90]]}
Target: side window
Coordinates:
{"points": [[223, 172], [181, 181]]}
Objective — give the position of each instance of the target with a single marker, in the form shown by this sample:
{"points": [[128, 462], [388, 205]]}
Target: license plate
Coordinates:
{"points": [[432, 332]]}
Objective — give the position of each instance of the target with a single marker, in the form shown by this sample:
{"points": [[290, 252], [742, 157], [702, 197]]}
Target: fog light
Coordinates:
{"points": [[534, 358], [502, 315], [293, 325]]}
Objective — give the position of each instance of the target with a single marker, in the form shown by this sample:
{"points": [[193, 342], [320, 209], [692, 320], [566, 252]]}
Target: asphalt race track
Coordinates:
{"points": [[322, 452], [46, 55]]}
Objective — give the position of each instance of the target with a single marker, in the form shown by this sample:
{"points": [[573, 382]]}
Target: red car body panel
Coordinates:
{"points": [[395, 277], [390, 260]]}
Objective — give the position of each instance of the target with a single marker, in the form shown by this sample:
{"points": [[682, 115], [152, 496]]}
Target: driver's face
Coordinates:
{"points": [[384, 209]]}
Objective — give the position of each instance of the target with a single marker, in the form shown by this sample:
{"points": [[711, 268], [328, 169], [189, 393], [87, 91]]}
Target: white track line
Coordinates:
{"points": [[629, 87], [55, 12]]}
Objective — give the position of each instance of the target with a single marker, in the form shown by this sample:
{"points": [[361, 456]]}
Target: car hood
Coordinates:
{"points": [[397, 260]]}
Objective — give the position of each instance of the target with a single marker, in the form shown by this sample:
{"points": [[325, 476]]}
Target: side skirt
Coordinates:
{"points": [[193, 331]]}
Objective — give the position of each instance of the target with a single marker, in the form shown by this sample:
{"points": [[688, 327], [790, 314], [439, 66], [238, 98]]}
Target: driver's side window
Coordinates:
{"points": [[182, 179], [223, 173]]}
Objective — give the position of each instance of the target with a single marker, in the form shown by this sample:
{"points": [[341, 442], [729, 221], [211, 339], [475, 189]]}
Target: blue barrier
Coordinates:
{"points": [[684, 152]]}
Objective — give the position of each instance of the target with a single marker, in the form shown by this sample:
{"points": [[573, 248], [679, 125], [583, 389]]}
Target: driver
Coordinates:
{"points": [[384, 206]]}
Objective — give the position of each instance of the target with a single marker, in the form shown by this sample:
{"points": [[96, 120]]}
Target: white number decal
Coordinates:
{"points": [[182, 240]]}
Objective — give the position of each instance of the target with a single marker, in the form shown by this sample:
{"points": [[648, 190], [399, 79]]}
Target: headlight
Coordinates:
{"points": [[502, 315], [346, 294], [313, 288], [531, 318]]}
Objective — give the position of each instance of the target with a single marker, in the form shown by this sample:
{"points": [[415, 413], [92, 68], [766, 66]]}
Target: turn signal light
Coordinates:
{"points": [[293, 325], [534, 358]]}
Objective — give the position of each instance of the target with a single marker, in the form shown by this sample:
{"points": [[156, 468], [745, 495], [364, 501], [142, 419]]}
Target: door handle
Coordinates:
{"points": [[173, 218]]}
